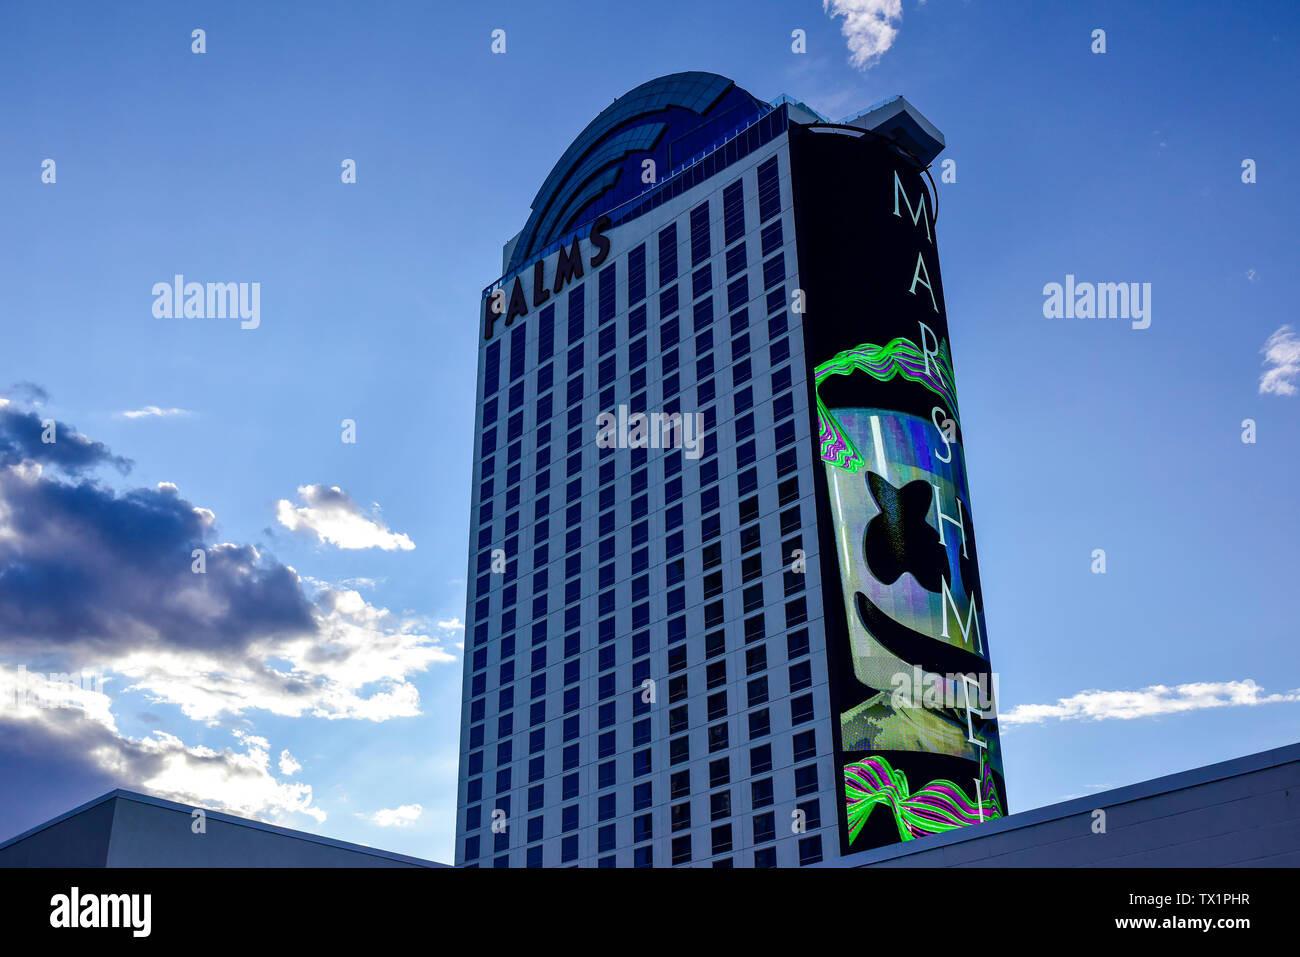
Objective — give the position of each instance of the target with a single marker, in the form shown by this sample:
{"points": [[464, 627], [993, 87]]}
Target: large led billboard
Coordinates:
{"points": [[913, 693]]}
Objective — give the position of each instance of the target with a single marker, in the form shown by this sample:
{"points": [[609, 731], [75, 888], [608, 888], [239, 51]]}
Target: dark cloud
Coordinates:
{"points": [[21, 441], [44, 770], [324, 496], [83, 566], [27, 392]]}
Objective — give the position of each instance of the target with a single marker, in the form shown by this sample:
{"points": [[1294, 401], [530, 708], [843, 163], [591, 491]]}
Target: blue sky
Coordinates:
{"points": [[1082, 434]]}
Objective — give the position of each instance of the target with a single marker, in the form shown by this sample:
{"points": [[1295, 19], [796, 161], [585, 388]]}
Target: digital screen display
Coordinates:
{"points": [[913, 692]]}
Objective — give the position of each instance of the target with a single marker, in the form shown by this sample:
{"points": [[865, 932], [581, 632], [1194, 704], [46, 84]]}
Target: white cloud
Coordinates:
{"points": [[1148, 702], [227, 780], [395, 817], [1282, 357], [870, 27], [454, 632], [153, 411], [53, 717], [359, 582], [31, 695], [289, 765], [357, 664], [331, 514]]}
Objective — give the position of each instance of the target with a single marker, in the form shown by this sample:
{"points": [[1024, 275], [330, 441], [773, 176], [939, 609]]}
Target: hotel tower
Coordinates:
{"points": [[724, 606]]}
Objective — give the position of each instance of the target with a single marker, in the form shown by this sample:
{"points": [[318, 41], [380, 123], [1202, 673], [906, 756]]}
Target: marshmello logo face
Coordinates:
{"points": [[906, 550]]}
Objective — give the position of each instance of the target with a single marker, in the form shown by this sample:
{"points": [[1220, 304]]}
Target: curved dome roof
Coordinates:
{"points": [[664, 120]]}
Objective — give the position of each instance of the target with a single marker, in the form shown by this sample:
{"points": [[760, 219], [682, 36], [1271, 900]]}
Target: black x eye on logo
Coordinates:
{"points": [[900, 539]]}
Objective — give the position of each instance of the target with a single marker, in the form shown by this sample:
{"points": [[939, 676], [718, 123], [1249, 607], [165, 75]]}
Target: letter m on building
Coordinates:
{"points": [[920, 211], [946, 601]]}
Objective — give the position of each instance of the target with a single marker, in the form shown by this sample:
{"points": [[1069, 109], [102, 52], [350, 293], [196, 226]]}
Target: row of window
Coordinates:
{"points": [[579, 422], [810, 852], [806, 815], [761, 790], [489, 562], [715, 672], [759, 726], [743, 426], [670, 335]]}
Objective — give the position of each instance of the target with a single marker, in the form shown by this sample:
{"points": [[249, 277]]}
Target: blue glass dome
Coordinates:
{"points": [[667, 120]]}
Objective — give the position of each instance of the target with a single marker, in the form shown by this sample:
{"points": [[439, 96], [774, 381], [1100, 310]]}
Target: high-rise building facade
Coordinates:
{"points": [[723, 604]]}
